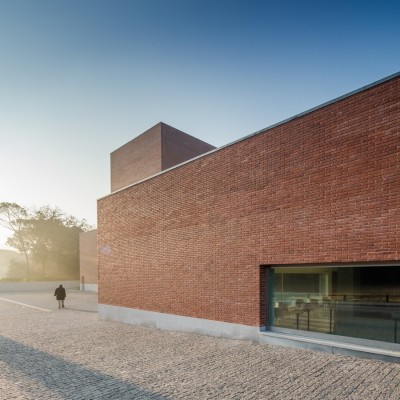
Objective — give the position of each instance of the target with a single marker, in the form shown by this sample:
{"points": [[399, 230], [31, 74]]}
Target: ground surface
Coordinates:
{"points": [[69, 354]]}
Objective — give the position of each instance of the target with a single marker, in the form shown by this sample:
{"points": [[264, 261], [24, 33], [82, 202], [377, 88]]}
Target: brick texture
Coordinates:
{"points": [[137, 159], [320, 188], [178, 146], [159, 148]]}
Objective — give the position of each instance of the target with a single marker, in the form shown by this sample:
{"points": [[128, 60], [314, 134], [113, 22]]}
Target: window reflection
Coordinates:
{"points": [[361, 302]]}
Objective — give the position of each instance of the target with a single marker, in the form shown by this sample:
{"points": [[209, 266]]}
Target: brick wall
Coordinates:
{"points": [[159, 148], [137, 159], [178, 146], [320, 188]]}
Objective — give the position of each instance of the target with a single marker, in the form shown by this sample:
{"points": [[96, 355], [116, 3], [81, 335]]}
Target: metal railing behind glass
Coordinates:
{"points": [[368, 316]]}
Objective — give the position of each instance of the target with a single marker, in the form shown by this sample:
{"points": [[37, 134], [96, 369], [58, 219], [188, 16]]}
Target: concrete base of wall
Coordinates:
{"points": [[177, 322], [235, 331], [89, 287]]}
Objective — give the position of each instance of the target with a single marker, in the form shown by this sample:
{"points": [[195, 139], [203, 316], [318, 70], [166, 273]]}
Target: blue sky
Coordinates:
{"points": [[78, 79]]}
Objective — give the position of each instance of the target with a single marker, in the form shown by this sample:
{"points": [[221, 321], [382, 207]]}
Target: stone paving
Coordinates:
{"points": [[69, 354]]}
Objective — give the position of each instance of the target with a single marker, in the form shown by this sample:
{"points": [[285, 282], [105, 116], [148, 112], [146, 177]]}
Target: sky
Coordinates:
{"points": [[78, 79]]}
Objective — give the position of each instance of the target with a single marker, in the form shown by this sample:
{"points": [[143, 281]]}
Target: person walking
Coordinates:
{"points": [[60, 296]]}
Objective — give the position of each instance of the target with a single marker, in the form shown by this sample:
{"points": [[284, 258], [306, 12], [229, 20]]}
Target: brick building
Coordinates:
{"points": [[289, 235]]}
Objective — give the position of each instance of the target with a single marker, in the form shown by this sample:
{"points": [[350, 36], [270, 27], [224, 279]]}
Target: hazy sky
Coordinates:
{"points": [[79, 79]]}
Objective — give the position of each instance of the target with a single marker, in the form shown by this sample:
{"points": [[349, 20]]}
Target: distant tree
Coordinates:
{"points": [[52, 239], [47, 236], [12, 217]]}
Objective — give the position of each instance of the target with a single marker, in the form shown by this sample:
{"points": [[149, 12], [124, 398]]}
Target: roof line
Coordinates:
{"points": [[309, 111]]}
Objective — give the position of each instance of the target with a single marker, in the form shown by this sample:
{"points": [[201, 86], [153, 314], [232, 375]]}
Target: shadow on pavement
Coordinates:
{"points": [[35, 369]]}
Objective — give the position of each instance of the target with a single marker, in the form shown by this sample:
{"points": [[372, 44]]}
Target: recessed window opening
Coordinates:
{"points": [[355, 301]]}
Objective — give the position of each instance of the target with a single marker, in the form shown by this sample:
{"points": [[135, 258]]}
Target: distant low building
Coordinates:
{"points": [[8, 270], [88, 261]]}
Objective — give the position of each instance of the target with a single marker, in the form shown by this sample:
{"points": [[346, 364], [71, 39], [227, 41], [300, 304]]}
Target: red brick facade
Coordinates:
{"points": [[323, 187], [137, 159], [159, 148]]}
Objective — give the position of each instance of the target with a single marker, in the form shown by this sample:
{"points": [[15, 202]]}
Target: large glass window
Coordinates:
{"points": [[361, 302]]}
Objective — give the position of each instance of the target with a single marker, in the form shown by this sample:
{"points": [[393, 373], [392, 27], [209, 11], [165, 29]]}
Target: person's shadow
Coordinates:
{"points": [[34, 369]]}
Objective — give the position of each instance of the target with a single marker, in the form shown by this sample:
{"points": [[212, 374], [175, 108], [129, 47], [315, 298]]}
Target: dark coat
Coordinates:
{"points": [[60, 293]]}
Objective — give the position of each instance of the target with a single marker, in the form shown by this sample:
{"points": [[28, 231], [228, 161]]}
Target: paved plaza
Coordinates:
{"points": [[46, 353]]}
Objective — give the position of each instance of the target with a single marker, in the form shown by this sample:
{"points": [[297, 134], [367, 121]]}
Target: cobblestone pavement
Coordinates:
{"points": [[69, 354]]}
